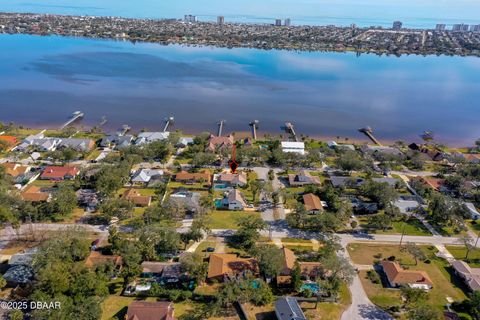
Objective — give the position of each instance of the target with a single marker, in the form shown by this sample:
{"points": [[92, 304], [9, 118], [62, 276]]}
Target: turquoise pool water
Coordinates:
{"points": [[218, 203], [313, 287]]}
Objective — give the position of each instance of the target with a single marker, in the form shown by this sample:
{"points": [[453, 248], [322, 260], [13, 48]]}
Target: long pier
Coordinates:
{"points": [[289, 128], [221, 123], [75, 116]]}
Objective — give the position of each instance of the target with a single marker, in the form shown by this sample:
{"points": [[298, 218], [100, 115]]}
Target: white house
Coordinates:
{"points": [[147, 137], [234, 201], [295, 147]]}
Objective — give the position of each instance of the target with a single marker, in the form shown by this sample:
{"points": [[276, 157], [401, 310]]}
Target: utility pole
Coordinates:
{"points": [[403, 232]]}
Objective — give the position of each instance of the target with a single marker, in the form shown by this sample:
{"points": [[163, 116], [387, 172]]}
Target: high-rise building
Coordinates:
{"points": [[278, 22], [220, 20], [288, 22], [397, 25], [460, 27], [475, 28], [190, 18], [441, 27]]}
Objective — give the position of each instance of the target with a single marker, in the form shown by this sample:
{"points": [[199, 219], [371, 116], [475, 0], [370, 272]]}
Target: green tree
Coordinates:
{"points": [[270, 260], [416, 252], [248, 232], [414, 296], [195, 266], [423, 312], [296, 275]]}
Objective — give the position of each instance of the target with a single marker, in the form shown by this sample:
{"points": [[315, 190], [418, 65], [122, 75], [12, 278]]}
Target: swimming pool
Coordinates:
{"points": [[218, 203], [313, 287]]}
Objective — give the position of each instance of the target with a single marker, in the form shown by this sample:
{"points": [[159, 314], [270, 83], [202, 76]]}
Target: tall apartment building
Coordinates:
{"points": [[397, 25]]}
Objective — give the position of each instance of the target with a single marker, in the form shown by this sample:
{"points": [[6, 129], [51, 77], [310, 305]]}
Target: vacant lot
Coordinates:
{"points": [[227, 219]]}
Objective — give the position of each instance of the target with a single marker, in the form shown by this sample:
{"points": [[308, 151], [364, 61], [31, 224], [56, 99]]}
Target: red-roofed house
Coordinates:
{"points": [[59, 173], [10, 141], [397, 276], [143, 310]]}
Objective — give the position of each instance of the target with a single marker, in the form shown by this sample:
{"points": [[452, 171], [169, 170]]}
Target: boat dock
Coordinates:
{"points": [[289, 128], [77, 115], [220, 124]]}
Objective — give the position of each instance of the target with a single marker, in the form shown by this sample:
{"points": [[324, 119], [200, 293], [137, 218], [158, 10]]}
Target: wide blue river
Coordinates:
{"points": [[44, 79]]}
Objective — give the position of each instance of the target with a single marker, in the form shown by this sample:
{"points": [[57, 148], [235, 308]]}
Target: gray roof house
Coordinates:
{"points": [[77, 144], [287, 308], [147, 137], [188, 200], [116, 140], [475, 215], [145, 175], [184, 141], [471, 276]]}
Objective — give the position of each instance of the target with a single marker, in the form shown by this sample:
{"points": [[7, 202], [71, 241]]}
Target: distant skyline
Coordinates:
{"points": [[422, 14]]}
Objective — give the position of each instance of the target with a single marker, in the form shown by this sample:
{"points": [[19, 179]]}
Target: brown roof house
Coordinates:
{"points": [[433, 183], [15, 169], [471, 276], [191, 178], [230, 180], [215, 143], [59, 173], [302, 179], [397, 276], [226, 265], [35, 194], [312, 203], [96, 258], [308, 270], [143, 310], [136, 198]]}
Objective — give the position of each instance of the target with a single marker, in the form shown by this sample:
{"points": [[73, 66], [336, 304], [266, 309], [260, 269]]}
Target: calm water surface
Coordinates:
{"points": [[44, 79]]}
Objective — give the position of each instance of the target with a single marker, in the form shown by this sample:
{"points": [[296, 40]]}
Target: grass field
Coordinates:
{"points": [[413, 227], [459, 252], [474, 226], [295, 240], [329, 311], [227, 219], [445, 284], [382, 297], [203, 246]]}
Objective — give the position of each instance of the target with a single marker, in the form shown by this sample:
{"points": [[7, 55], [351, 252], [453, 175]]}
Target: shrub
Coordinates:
{"points": [[373, 276], [378, 256]]}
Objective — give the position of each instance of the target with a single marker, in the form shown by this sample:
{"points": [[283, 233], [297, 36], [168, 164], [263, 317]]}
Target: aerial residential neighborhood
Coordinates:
{"points": [[301, 230]]}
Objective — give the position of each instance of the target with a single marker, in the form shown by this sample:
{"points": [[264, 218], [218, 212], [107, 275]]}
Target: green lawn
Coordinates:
{"points": [[445, 284], [203, 246], [459, 252], [382, 297], [295, 240], [327, 310], [93, 154], [299, 248], [413, 227], [142, 191], [227, 219], [474, 226]]}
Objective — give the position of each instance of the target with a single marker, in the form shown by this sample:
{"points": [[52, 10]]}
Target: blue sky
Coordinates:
{"points": [[413, 12]]}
